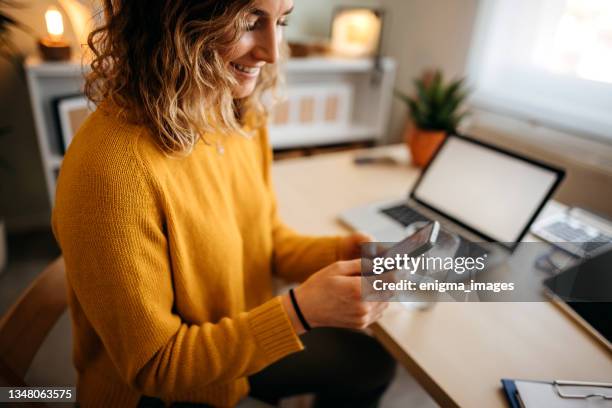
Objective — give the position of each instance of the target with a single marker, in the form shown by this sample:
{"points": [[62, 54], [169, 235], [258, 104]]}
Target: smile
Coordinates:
{"points": [[251, 71]]}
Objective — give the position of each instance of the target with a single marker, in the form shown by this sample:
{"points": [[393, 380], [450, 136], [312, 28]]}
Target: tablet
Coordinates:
{"points": [[584, 291]]}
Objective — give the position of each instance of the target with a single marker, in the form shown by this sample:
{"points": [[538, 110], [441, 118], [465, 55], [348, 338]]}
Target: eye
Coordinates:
{"points": [[255, 24], [252, 25]]}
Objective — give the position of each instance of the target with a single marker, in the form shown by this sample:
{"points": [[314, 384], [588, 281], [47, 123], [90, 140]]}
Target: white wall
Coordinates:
{"points": [[418, 34], [424, 34]]}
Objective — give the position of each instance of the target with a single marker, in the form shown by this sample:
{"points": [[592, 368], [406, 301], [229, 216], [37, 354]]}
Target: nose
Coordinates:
{"points": [[268, 40]]}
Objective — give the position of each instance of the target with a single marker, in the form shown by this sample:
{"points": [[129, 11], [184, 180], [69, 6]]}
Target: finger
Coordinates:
{"points": [[383, 306], [371, 319], [377, 317], [368, 267], [369, 309], [377, 313], [354, 245], [348, 268], [362, 245], [360, 237]]}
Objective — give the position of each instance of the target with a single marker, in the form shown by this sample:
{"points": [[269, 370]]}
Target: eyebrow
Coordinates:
{"points": [[263, 13]]}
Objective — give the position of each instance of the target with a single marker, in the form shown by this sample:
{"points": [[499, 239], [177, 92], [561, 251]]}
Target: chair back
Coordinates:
{"points": [[27, 323]]}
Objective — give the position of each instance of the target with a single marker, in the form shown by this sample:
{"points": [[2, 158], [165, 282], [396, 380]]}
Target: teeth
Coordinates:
{"points": [[245, 69]]}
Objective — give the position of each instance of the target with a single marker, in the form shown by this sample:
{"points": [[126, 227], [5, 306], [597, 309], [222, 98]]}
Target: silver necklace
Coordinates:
{"points": [[220, 148]]}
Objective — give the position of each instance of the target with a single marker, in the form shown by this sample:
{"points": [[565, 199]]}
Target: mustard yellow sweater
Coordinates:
{"points": [[169, 263]]}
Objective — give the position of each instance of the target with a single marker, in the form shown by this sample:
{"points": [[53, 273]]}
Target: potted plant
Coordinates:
{"points": [[435, 111]]}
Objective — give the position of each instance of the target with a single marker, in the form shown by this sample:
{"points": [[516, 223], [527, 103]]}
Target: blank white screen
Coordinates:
{"points": [[488, 191]]}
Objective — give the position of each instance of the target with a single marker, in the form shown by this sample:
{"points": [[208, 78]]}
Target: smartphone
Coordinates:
{"points": [[416, 244]]}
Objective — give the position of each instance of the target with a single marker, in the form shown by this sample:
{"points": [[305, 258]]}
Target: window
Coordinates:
{"points": [[549, 61]]}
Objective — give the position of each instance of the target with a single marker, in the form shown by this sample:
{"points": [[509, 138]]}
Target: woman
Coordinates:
{"points": [[167, 221]]}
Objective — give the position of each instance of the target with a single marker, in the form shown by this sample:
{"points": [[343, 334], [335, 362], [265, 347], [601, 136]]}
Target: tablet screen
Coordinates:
{"points": [[587, 289]]}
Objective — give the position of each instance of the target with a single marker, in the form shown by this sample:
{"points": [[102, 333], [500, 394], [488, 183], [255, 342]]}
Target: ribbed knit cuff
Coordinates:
{"points": [[273, 330]]}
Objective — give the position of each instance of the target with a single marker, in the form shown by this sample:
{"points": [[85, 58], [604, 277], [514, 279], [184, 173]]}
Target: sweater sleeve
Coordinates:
{"points": [[111, 231], [296, 256]]}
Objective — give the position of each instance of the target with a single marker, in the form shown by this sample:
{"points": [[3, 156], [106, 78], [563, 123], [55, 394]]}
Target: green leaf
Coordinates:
{"points": [[421, 90], [400, 95], [453, 88], [437, 90], [415, 111], [436, 103]]}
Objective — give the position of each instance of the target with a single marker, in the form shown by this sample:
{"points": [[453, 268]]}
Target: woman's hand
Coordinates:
{"points": [[350, 246], [331, 297]]}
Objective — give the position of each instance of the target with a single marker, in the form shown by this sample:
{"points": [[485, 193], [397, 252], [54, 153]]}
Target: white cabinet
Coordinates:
{"points": [[369, 92], [328, 101], [46, 82]]}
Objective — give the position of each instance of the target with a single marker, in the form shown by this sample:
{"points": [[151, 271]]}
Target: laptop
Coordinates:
{"points": [[476, 190], [577, 231]]}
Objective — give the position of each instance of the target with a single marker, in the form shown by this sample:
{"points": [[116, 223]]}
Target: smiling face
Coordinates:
{"points": [[259, 44]]}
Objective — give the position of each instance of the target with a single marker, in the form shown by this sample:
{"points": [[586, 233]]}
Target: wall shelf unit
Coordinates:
{"points": [[361, 104], [371, 92]]}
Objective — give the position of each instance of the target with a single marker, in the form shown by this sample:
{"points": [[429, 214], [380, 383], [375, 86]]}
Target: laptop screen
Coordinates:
{"points": [[494, 193]]}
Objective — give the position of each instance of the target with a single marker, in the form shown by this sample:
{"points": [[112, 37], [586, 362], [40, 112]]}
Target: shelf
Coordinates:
{"points": [[308, 64], [288, 138], [335, 64], [62, 68]]}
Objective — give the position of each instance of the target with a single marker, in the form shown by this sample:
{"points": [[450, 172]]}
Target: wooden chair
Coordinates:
{"points": [[27, 323], [25, 326]]}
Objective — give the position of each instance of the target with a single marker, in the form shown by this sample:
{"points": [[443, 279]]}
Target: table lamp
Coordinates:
{"points": [[356, 32], [54, 47]]}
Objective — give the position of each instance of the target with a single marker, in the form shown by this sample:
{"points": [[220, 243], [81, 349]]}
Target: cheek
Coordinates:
{"points": [[242, 47]]}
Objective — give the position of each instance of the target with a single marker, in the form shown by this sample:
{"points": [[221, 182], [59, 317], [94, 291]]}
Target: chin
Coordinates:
{"points": [[243, 90]]}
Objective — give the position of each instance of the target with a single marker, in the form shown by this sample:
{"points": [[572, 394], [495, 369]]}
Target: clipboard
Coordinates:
{"points": [[557, 393]]}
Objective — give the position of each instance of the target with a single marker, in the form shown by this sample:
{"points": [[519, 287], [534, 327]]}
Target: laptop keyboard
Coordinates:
{"points": [[578, 236], [404, 214], [469, 249]]}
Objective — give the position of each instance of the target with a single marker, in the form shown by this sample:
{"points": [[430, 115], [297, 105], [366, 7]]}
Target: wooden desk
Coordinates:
{"points": [[458, 352]]}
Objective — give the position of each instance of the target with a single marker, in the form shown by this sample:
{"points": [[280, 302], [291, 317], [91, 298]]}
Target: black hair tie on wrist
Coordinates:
{"points": [[298, 311]]}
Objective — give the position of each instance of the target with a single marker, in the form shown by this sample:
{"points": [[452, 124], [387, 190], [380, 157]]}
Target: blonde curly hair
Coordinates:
{"points": [[161, 62]]}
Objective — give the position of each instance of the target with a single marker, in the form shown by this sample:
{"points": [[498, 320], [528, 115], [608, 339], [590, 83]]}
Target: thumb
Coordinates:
{"points": [[360, 237]]}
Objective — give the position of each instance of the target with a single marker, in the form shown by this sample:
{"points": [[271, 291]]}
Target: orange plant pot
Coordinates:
{"points": [[423, 144]]}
